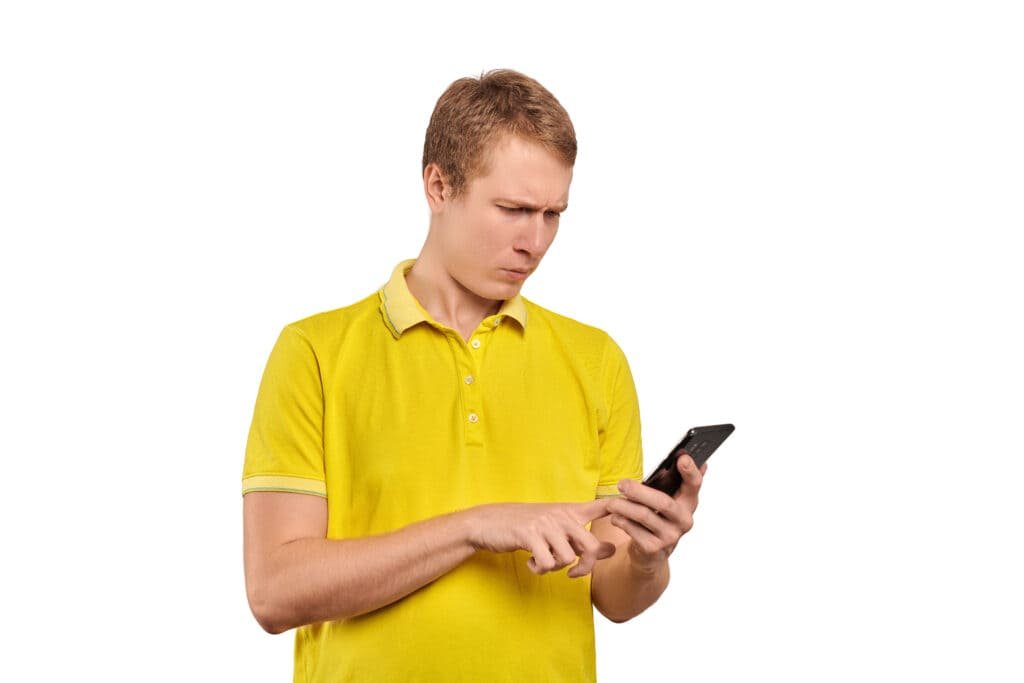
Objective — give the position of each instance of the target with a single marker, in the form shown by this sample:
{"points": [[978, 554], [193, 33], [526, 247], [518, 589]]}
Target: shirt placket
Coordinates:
{"points": [[469, 360]]}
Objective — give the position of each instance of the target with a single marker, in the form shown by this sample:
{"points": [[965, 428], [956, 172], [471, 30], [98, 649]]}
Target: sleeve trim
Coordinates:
{"points": [[608, 491], [611, 490], [284, 483]]}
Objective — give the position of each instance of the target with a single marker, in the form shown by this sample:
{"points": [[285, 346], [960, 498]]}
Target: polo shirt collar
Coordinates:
{"points": [[401, 310]]}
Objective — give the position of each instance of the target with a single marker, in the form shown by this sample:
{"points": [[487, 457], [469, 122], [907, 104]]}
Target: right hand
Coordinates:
{"points": [[553, 532]]}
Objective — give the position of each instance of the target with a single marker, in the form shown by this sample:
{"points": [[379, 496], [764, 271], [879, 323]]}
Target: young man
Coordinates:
{"points": [[423, 462]]}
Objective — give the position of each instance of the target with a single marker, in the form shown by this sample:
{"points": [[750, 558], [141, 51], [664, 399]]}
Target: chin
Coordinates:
{"points": [[495, 287], [500, 293]]}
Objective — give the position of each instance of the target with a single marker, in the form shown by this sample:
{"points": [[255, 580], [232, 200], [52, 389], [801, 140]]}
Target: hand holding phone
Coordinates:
{"points": [[699, 443]]}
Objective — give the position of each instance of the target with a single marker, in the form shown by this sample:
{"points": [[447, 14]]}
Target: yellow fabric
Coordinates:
{"points": [[372, 405]]}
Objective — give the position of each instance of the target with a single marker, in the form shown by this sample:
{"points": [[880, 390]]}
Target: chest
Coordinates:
{"points": [[432, 427]]}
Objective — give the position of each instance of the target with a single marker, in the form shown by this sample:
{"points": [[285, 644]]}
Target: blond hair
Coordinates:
{"points": [[475, 113]]}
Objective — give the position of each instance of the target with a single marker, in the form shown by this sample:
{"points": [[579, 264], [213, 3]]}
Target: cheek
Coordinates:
{"points": [[464, 238], [550, 242], [491, 237]]}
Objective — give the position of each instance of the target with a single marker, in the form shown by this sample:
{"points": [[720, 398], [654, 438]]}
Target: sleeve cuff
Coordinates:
{"points": [[612, 490], [284, 483], [608, 491]]}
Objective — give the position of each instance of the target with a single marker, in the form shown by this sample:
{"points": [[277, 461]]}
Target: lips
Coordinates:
{"points": [[516, 273]]}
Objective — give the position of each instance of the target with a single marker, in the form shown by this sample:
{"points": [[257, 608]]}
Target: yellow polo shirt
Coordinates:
{"points": [[394, 418]]}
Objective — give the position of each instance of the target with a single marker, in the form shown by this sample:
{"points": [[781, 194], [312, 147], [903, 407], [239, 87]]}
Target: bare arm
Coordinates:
{"points": [[619, 589], [645, 525], [294, 575]]}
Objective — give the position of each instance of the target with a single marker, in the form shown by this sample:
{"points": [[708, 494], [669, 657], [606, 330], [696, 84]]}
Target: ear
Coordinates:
{"points": [[435, 187]]}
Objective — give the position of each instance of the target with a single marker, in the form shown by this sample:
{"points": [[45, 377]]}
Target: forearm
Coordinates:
{"points": [[621, 590], [314, 579]]}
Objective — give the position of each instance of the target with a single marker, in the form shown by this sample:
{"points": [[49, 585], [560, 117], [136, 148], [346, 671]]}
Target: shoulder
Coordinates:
{"points": [[583, 338], [559, 322], [326, 327], [590, 349]]}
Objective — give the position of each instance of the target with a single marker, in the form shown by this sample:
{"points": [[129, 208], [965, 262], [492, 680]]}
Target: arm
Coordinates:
{"points": [[645, 525], [620, 589], [294, 575]]}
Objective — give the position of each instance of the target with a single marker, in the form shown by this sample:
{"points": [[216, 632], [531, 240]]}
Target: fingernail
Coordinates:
{"points": [[622, 484]]}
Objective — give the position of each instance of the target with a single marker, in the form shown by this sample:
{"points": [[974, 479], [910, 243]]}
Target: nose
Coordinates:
{"points": [[536, 234]]}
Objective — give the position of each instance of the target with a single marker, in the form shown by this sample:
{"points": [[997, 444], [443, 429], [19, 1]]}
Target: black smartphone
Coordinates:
{"points": [[699, 443]]}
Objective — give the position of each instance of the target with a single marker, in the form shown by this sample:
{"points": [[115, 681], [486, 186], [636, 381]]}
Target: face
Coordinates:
{"points": [[495, 235]]}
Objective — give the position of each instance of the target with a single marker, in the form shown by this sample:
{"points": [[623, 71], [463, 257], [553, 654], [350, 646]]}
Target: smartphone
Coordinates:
{"points": [[699, 443]]}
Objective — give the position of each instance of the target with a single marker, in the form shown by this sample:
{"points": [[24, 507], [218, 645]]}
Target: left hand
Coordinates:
{"points": [[655, 521]]}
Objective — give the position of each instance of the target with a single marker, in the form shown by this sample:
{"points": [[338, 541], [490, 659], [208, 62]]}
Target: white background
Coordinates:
{"points": [[800, 217]]}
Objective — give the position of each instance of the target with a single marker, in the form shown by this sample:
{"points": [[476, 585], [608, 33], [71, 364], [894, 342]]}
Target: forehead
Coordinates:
{"points": [[517, 168]]}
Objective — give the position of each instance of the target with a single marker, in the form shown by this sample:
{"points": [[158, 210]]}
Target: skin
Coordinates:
{"points": [[507, 218]]}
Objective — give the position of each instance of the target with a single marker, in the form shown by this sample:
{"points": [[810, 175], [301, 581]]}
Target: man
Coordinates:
{"points": [[423, 462]]}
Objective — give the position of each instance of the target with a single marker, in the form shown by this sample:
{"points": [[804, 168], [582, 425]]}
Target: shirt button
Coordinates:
{"points": [[497, 322], [469, 379], [475, 343], [473, 418]]}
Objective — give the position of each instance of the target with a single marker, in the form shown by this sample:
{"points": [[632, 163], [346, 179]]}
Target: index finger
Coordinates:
{"points": [[594, 509]]}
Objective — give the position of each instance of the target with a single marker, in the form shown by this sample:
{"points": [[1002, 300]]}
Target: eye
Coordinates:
{"points": [[523, 209]]}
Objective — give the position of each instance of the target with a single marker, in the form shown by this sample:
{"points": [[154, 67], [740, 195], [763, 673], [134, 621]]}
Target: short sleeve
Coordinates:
{"points": [[621, 450], [285, 450]]}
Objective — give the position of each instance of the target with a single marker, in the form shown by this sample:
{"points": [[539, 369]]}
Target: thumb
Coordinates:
{"points": [[692, 477]]}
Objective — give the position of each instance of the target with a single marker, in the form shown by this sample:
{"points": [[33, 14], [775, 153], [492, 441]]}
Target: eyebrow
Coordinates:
{"points": [[528, 205]]}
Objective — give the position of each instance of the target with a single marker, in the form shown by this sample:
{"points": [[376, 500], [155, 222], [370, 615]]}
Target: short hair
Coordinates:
{"points": [[474, 113]]}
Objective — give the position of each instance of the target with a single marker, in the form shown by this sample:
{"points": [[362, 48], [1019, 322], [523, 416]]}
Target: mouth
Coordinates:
{"points": [[516, 273]]}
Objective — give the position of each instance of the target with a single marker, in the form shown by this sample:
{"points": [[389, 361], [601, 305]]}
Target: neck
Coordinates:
{"points": [[444, 298]]}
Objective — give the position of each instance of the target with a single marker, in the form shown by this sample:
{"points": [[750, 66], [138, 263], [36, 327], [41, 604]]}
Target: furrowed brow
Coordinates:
{"points": [[533, 207]]}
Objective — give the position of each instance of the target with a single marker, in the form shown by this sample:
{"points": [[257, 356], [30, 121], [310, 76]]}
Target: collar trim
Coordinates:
{"points": [[400, 309]]}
